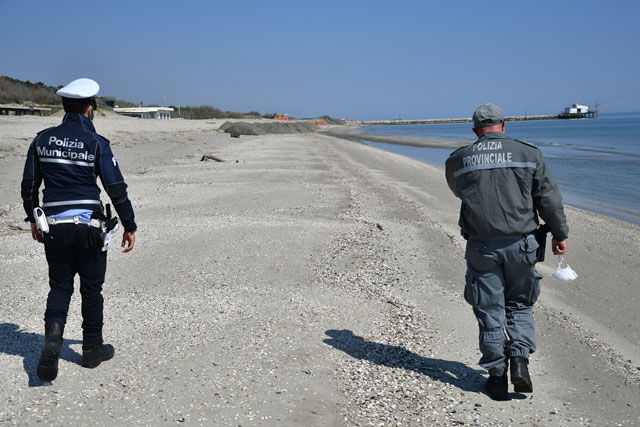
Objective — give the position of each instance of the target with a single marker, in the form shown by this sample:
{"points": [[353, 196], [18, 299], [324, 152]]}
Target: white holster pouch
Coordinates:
{"points": [[108, 236], [41, 220]]}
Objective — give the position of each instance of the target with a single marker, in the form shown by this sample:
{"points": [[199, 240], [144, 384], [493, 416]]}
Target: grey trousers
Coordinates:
{"points": [[502, 285]]}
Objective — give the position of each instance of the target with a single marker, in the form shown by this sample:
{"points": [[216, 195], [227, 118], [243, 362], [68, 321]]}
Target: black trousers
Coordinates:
{"points": [[67, 255]]}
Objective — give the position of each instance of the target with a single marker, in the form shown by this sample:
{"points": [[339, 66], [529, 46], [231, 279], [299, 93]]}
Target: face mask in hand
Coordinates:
{"points": [[564, 274]]}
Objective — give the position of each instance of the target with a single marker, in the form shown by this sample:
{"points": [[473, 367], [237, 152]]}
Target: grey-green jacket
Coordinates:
{"points": [[504, 184]]}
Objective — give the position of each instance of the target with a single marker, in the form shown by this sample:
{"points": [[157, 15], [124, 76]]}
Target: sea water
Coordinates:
{"points": [[595, 161]]}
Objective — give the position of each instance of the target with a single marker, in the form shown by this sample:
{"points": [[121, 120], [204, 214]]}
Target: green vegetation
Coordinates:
{"points": [[14, 91], [205, 112]]}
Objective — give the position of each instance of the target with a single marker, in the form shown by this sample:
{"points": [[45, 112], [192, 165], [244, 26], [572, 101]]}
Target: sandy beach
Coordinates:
{"points": [[354, 133], [307, 280]]}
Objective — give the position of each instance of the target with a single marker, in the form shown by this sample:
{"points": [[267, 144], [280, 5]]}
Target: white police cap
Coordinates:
{"points": [[81, 88]]}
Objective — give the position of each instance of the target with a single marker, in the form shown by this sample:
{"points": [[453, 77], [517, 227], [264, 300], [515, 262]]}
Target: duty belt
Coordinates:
{"points": [[74, 220]]}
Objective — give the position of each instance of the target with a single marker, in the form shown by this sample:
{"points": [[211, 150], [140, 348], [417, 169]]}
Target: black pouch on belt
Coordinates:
{"points": [[95, 238], [541, 237]]}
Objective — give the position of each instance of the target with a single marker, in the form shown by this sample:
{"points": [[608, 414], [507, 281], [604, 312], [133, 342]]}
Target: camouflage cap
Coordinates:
{"points": [[487, 115]]}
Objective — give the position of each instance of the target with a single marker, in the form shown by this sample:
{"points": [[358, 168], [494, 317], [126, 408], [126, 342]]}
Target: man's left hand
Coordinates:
{"points": [[128, 240], [559, 248], [35, 233]]}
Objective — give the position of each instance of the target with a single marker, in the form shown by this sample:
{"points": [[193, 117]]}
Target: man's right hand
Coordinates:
{"points": [[35, 233], [559, 248]]}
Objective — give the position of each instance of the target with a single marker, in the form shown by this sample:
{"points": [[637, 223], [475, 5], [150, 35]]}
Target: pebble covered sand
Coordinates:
{"points": [[305, 280]]}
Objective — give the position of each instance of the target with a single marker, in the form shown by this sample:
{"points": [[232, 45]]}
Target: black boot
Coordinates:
{"points": [[498, 387], [497, 384], [95, 353], [48, 363], [520, 375]]}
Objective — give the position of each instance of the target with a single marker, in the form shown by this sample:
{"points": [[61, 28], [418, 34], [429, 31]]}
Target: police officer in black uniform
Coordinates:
{"points": [[69, 158], [504, 185]]}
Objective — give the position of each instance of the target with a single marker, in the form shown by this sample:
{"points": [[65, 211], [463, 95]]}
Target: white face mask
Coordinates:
{"points": [[564, 274]]}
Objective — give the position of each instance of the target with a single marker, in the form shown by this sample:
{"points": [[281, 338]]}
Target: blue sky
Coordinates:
{"points": [[354, 59]]}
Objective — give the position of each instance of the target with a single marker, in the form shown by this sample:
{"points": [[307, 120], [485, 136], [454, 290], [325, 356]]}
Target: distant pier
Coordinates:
{"points": [[585, 115]]}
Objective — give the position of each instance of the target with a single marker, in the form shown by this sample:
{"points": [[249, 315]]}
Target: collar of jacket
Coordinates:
{"points": [[492, 135], [86, 124]]}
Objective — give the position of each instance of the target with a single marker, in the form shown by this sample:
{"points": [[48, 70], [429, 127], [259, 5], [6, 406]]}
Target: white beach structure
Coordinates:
{"points": [[576, 109], [162, 113]]}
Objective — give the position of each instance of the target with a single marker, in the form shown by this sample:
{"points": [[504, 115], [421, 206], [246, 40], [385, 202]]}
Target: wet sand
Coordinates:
{"points": [[354, 133], [306, 280]]}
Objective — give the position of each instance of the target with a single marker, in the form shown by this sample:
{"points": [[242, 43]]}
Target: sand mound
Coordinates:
{"points": [[99, 113], [59, 113], [244, 128]]}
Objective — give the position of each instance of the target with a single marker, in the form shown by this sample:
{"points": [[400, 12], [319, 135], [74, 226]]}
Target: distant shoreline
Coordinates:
{"points": [[561, 116], [357, 134]]}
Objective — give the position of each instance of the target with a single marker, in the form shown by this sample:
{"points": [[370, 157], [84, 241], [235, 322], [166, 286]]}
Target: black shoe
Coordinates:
{"points": [[498, 387], [48, 363], [96, 353], [520, 375]]}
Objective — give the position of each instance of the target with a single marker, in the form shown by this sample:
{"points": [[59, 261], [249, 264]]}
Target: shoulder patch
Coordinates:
{"points": [[44, 130], [530, 144], [457, 149], [104, 139]]}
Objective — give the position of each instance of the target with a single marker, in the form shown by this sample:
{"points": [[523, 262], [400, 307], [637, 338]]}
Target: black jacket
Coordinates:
{"points": [[69, 158]]}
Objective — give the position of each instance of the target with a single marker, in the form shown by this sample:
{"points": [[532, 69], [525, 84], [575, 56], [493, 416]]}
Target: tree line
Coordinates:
{"points": [[14, 91], [209, 112]]}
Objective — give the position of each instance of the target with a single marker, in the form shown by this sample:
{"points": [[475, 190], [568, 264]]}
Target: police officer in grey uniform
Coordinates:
{"points": [[504, 185], [69, 158]]}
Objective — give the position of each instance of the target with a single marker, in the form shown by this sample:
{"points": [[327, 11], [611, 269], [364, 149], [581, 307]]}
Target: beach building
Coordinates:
{"points": [[21, 110], [161, 113], [576, 109]]}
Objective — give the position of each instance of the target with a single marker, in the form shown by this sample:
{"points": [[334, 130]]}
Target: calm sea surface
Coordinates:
{"points": [[595, 161]]}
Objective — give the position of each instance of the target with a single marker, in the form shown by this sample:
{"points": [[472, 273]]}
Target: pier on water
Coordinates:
{"points": [[582, 115]]}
